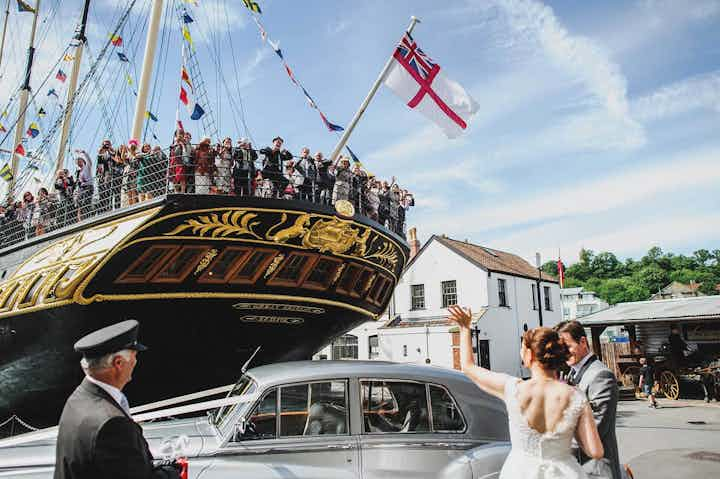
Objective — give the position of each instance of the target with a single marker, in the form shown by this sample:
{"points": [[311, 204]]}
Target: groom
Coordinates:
{"points": [[599, 385]]}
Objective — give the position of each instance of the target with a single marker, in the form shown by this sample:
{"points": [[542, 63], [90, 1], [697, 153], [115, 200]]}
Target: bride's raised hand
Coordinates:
{"points": [[461, 316]]}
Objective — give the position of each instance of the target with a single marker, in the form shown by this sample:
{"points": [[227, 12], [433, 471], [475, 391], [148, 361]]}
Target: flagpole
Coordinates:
{"points": [[381, 78], [146, 75], [2, 43], [72, 87], [24, 92]]}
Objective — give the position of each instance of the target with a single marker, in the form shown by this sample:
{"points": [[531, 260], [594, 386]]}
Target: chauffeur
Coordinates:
{"points": [[97, 438]]}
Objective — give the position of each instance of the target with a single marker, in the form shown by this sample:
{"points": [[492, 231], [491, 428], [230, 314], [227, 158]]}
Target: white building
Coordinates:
{"points": [[499, 287], [577, 303]]}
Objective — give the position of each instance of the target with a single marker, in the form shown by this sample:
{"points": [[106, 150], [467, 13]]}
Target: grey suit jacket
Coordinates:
{"points": [[599, 385]]}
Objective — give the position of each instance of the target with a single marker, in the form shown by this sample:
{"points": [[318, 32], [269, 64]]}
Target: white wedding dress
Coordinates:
{"points": [[541, 456]]}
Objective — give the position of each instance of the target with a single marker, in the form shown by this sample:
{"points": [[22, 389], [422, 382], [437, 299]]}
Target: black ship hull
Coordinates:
{"points": [[209, 278]]}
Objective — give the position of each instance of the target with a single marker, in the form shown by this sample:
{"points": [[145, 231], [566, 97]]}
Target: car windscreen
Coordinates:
{"points": [[244, 387]]}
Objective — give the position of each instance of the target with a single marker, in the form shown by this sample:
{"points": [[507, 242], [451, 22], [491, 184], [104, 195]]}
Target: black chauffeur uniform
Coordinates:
{"points": [[97, 438]]}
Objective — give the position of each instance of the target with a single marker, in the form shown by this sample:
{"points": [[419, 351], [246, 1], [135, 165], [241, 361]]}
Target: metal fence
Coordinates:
{"points": [[118, 185]]}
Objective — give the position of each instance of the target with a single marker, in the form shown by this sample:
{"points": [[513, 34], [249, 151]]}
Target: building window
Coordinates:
{"points": [[373, 347], [405, 350], [548, 304], [449, 293], [566, 312], [502, 296], [533, 293], [345, 347], [417, 296]]}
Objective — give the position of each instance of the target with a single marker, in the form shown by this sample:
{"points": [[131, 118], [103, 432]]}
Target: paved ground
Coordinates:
{"points": [[679, 440]]}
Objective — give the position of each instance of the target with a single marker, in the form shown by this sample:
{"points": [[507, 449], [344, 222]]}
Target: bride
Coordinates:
{"points": [[544, 413]]}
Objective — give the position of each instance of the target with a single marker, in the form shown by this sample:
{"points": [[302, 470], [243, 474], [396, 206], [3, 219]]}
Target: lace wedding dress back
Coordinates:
{"points": [[536, 455]]}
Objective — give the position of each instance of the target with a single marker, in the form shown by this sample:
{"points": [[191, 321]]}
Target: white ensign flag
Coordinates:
{"points": [[417, 79]]}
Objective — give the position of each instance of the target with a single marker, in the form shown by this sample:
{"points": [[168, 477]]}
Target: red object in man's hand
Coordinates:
{"points": [[183, 463]]}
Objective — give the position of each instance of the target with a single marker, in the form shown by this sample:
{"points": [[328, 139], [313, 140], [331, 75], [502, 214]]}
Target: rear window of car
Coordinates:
{"points": [[314, 409], [408, 407]]}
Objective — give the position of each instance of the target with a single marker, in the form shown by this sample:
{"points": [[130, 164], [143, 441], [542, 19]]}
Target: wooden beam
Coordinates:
{"points": [[596, 331]]}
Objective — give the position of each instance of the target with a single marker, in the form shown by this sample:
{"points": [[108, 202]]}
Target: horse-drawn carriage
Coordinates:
{"points": [[693, 369]]}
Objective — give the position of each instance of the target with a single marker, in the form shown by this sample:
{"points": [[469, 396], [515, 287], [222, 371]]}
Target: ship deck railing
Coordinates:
{"points": [[154, 177]]}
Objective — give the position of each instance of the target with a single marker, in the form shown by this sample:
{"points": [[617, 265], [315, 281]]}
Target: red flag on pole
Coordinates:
{"points": [[561, 272], [20, 150]]}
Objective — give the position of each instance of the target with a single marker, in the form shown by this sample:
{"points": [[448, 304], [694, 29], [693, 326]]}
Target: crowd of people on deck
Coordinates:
{"points": [[133, 173]]}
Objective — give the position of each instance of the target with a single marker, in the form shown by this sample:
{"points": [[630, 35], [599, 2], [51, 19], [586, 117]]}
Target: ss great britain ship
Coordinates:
{"points": [[210, 277]]}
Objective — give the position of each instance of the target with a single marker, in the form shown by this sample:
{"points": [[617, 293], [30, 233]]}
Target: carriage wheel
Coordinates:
{"points": [[630, 376], [669, 385]]}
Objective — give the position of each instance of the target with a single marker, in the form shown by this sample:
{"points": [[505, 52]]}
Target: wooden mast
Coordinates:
{"points": [[146, 76], [24, 93], [72, 87], [2, 42]]}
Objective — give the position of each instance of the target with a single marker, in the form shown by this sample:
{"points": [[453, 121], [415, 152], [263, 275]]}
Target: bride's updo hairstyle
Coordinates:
{"points": [[547, 347]]}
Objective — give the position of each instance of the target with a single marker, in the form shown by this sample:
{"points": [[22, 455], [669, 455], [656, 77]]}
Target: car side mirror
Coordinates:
{"points": [[240, 426]]}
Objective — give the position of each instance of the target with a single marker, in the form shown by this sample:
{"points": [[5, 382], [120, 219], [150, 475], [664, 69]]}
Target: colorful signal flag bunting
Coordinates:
{"points": [[33, 130], [68, 57], [2, 128], [197, 113], [24, 7], [20, 149], [41, 112], [6, 173], [61, 76], [252, 6], [148, 114], [187, 18], [122, 57], [116, 40]]}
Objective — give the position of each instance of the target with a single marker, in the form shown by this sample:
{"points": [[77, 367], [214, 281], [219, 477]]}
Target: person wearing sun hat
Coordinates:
{"points": [[97, 437]]}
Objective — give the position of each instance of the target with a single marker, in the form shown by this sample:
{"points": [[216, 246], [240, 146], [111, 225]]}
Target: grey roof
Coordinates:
{"points": [[291, 371], [692, 308], [570, 291]]}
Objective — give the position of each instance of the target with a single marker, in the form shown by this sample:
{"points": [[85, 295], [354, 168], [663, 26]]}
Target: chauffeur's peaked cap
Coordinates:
{"points": [[110, 339]]}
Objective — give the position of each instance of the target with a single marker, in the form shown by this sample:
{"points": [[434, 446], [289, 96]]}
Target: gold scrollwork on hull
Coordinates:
{"points": [[237, 223], [275, 263], [325, 234], [205, 261]]}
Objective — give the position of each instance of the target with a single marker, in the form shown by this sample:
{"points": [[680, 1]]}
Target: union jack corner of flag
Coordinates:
{"points": [[415, 57]]}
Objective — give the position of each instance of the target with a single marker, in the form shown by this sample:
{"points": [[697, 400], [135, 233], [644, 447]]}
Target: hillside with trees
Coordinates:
{"points": [[618, 281]]}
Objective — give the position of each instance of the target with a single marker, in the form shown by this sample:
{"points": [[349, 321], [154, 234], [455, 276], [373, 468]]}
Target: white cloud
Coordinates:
{"points": [[699, 92], [580, 56], [683, 171], [248, 71]]}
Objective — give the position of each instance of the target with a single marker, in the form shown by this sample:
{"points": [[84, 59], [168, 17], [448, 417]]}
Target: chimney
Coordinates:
{"points": [[413, 241]]}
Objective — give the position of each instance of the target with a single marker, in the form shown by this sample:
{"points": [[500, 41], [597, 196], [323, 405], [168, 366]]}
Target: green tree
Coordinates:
{"points": [[621, 290], [550, 267], [606, 265], [652, 278]]}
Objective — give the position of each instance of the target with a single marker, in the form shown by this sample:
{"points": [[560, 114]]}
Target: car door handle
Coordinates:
{"points": [[339, 446]]}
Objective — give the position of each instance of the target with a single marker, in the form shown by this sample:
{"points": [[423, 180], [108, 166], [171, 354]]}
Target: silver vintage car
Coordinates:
{"points": [[321, 419]]}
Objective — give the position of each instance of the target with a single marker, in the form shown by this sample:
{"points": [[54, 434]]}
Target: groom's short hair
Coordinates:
{"points": [[573, 328]]}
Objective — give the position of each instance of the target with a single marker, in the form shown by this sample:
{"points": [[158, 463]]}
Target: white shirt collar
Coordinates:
{"points": [[577, 366], [114, 393]]}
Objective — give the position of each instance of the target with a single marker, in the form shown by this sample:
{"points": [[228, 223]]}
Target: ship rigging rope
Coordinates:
{"points": [[237, 76], [81, 106], [45, 27], [164, 50], [215, 57], [87, 107], [34, 161]]}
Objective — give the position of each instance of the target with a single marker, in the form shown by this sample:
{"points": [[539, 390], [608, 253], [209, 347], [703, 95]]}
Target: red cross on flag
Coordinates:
{"points": [[417, 79]]}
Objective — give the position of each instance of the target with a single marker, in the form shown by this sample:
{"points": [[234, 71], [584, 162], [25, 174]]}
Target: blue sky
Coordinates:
{"points": [[598, 123]]}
